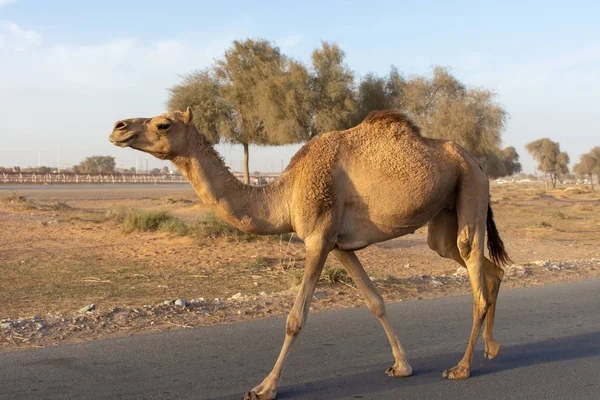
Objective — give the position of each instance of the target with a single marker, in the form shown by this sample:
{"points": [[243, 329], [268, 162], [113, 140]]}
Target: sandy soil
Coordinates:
{"points": [[59, 252]]}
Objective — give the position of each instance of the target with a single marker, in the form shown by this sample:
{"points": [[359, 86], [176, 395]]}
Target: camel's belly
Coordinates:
{"points": [[362, 236]]}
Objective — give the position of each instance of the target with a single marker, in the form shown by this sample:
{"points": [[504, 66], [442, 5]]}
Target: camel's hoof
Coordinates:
{"points": [[491, 349], [399, 370], [457, 372], [252, 395]]}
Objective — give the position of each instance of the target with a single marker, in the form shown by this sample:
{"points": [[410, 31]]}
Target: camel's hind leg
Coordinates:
{"points": [[493, 276], [377, 307], [471, 214], [442, 238]]}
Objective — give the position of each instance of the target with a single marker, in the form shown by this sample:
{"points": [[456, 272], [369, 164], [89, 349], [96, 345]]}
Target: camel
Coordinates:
{"points": [[341, 192]]}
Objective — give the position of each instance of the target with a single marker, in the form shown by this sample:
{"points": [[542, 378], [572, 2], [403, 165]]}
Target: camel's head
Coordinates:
{"points": [[165, 136]]}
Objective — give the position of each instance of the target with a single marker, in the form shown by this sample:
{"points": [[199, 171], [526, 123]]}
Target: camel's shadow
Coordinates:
{"points": [[427, 370]]}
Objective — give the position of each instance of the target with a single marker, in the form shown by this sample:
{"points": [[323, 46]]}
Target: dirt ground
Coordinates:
{"points": [[60, 252]]}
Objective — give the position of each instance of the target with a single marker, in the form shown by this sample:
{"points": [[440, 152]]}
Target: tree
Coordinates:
{"points": [[155, 171], [501, 163], [253, 95], [551, 161], [165, 170], [445, 108], [374, 93], [96, 165], [589, 164], [200, 91], [332, 87]]}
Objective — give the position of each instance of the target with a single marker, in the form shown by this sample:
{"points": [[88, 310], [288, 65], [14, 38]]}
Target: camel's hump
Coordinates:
{"points": [[391, 117]]}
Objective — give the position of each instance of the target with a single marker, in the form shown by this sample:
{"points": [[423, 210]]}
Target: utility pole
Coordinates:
{"points": [[136, 165], [39, 160], [58, 165]]}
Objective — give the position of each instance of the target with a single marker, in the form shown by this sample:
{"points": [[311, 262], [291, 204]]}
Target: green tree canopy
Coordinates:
{"points": [[256, 95], [333, 102], [96, 165], [200, 91], [252, 95], [447, 109], [551, 161]]}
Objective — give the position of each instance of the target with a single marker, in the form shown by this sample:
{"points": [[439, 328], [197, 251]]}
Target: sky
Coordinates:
{"points": [[70, 69]]}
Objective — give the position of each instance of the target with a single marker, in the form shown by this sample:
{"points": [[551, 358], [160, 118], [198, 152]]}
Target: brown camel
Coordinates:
{"points": [[340, 193]]}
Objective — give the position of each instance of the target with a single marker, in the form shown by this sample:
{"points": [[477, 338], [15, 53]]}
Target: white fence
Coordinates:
{"points": [[69, 177]]}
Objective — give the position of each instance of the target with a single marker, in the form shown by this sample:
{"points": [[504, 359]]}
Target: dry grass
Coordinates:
{"points": [[210, 226], [19, 203], [329, 276], [133, 219], [85, 256]]}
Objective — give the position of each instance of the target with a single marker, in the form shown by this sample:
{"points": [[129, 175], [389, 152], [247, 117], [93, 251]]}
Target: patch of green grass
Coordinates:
{"points": [[211, 226], [132, 219], [174, 225]]}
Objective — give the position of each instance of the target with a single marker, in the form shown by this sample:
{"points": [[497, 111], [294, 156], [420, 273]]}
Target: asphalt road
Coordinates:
{"points": [[550, 337]]}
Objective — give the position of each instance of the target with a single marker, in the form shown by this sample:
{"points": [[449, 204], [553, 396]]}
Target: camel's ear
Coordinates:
{"points": [[187, 116]]}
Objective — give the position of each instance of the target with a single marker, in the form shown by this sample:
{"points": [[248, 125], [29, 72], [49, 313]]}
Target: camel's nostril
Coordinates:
{"points": [[120, 125]]}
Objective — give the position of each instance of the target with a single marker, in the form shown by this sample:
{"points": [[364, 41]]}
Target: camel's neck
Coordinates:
{"points": [[259, 209]]}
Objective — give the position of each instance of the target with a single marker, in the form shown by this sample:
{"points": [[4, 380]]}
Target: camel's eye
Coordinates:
{"points": [[163, 127]]}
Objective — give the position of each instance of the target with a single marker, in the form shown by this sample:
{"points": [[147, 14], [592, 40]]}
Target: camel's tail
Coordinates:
{"points": [[495, 245]]}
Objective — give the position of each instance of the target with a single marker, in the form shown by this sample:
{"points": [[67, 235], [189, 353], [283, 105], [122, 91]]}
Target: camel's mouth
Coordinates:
{"points": [[122, 141]]}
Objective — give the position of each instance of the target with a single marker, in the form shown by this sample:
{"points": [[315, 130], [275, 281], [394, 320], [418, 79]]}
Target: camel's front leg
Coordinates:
{"points": [[315, 259]]}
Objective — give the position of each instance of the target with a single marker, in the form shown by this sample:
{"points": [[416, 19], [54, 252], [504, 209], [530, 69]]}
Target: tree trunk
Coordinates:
{"points": [[553, 180], [246, 168], [546, 180], [592, 181]]}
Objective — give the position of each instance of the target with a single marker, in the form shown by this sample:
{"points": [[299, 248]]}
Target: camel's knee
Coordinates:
{"points": [[294, 323], [376, 306], [465, 246]]}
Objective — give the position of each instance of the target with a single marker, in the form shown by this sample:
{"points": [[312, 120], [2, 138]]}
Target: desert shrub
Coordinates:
{"points": [[332, 275], [19, 202], [329, 276], [174, 225], [211, 226], [133, 219]]}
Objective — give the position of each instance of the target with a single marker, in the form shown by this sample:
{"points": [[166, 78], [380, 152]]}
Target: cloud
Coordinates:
{"points": [[104, 66], [16, 38], [71, 94], [26, 35], [6, 2]]}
